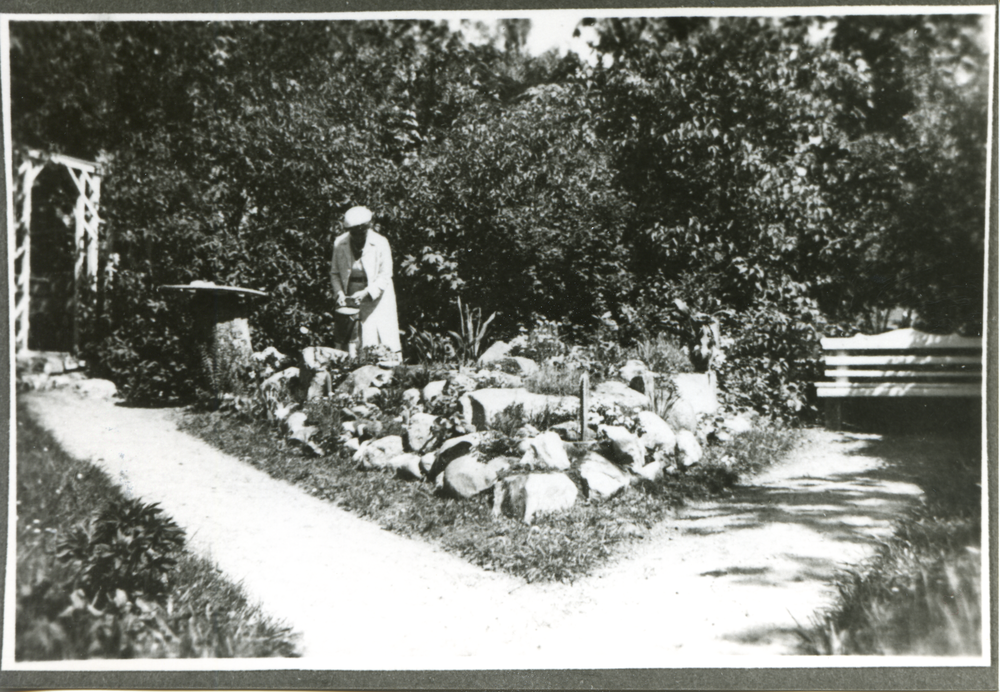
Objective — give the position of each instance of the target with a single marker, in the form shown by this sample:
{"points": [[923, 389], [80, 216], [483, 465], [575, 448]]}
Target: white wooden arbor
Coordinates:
{"points": [[87, 177]]}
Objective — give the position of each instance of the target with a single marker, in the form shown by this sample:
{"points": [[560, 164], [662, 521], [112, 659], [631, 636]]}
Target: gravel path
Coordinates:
{"points": [[732, 577]]}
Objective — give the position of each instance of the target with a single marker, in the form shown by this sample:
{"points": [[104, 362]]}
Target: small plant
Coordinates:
{"points": [[498, 444], [469, 343], [540, 343], [130, 546], [325, 414], [390, 399], [664, 396], [416, 376], [430, 347], [509, 421]]}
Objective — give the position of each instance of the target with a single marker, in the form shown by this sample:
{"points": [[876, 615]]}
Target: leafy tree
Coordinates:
{"points": [[768, 177]]}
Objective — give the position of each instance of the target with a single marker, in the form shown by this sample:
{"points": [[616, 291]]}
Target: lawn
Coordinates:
{"points": [[135, 594]]}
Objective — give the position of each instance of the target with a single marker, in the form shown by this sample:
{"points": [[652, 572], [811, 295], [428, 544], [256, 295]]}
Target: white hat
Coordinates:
{"points": [[357, 216]]}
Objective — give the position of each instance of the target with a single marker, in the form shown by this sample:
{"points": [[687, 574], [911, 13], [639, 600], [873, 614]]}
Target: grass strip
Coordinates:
{"points": [[920, 594], [558, 547], [203, 614]]}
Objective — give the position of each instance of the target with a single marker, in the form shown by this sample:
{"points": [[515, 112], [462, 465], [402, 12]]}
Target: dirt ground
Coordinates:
{"points": [[728, 578]]}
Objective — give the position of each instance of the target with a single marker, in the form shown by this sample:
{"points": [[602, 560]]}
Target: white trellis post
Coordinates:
{"points": [[88, 182], [27, 172], [87, 177]]}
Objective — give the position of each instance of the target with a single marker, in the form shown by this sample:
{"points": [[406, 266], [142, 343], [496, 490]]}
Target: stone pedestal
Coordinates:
{"points": [[223, 332]]}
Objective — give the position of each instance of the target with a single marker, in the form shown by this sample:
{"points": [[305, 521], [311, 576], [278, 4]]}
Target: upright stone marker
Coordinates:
{"points": [[584, 405]]}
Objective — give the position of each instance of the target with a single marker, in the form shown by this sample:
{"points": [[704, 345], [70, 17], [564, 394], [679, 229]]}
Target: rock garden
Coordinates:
{"points": [[484, 457]]}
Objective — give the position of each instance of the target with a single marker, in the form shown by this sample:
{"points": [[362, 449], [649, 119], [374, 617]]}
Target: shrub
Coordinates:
{"points": [[496, 443], [390, 399]]}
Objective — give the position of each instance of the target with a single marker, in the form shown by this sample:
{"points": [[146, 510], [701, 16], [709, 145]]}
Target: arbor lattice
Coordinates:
{"points": [[87, 176]]}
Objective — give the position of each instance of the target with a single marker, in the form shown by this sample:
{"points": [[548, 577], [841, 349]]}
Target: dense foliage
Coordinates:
{"points": [[739, 185]]}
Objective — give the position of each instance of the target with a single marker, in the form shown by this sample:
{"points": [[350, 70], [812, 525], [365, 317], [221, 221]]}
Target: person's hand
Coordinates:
{"points": [[355, 299], [341, 300]]}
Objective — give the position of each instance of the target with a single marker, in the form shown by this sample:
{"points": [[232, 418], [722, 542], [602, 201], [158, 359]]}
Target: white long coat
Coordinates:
{"points": [[379, 322]]}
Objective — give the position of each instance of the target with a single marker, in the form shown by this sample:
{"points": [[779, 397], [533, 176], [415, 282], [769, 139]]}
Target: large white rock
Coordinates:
{"points": [[433, 390], [96, 388], [365, 377], [603, 478], [528, 496], [498, 351], [295, 421], [622, 446], [500, 464], [688, 449], [420, 431], [612, 392], [378, 453], [427, 462], [654, 432], [695, 397], [546, 451], [739, 424], [298, 430], [411, 398], [652, 471], [465, 477], [483, 405], [407, 465], [452, 449]]}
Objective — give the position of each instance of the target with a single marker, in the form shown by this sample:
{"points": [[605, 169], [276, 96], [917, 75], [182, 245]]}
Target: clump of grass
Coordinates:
{"points": [[60, 616], [920, 594], [554, 380], [560, 547], [661, 355]]}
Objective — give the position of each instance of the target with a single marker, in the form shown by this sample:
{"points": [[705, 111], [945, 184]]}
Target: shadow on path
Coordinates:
{"points": [[800, 524]]}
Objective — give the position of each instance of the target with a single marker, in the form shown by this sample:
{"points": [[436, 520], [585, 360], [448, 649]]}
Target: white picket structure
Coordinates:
{"points": [[900, 363], [86, 175]]}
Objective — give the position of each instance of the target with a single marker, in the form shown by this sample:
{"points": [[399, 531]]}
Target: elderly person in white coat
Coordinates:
{"points": [[361, 274]]}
